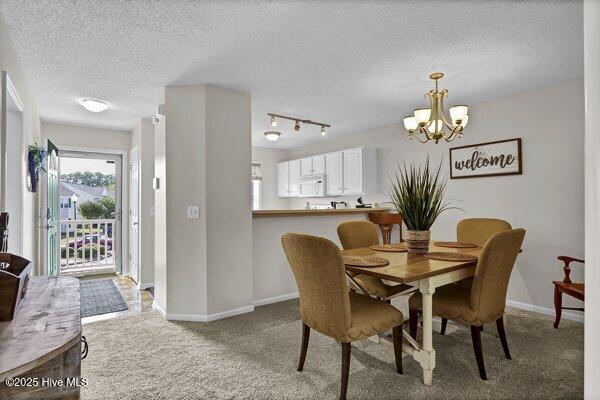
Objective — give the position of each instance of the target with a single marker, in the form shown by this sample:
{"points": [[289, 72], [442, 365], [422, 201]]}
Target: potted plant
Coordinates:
{"points": [[418, 195], [35, 160]]}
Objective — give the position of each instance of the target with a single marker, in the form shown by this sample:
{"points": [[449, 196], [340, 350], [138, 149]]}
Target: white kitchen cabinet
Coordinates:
{"points": [[353, 172], [306, 166], [294, 167], [283, 179], [318, 165], [335, 178]]}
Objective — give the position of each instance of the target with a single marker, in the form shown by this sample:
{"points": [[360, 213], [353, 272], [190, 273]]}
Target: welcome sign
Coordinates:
{"points": [[486, 159]]}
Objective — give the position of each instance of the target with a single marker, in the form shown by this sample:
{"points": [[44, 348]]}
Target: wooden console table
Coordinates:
{"points": [[41, 347]]}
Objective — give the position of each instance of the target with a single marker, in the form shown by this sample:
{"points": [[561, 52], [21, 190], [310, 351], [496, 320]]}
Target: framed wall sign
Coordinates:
{"points": [[486, 159]]}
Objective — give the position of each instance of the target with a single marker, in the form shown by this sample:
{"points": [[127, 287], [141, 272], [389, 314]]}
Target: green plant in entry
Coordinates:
{"points": [[418, 195]]}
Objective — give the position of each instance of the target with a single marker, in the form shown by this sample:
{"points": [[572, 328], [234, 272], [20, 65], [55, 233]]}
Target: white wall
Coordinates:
{"points": [[203, 157], [142, 137], [269, 158], [547, 199], [31, 134], [85, 137], [592, 196]]}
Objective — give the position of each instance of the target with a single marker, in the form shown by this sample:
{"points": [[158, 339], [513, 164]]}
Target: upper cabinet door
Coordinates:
{"points": [[318, 164], [353, 171], [333, 165], [306, 166], [294, 166], [283, 179]]}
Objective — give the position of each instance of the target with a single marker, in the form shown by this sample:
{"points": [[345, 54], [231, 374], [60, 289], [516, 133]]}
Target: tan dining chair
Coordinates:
{"points": [[327, 306], [484, 300], [477, 231], [357, 234]]}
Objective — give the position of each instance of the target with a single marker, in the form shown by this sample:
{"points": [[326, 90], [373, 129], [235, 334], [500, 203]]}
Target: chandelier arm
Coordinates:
{"points": [[455, 132], [422, 141], [441, 111]]}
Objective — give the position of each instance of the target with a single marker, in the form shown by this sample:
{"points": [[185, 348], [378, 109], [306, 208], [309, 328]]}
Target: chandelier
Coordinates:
{"points": [[432, 123]]}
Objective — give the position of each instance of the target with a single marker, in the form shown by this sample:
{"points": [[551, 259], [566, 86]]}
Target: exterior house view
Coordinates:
{"points": [[299, 199]]}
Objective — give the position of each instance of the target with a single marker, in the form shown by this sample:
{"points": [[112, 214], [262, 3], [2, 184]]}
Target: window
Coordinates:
{"points": [[256, 180]]}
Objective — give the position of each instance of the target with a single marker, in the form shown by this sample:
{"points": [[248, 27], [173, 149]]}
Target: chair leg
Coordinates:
{"points": [[346, 349], [444, 325], [557, 306], [397, 339], [413, 320], [502, 336], [304, 347], [476, 338]]}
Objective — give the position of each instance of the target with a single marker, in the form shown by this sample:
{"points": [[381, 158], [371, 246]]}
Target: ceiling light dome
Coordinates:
{"points": [[93, 105], [272, 135]]}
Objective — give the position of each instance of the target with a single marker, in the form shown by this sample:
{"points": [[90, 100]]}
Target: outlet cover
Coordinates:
{"points": [[193, 212]]}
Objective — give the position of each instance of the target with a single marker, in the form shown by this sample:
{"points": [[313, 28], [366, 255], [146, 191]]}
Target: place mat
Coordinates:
{"points": [[456, 245], [393, 248], [439, 255], [365, 261]]}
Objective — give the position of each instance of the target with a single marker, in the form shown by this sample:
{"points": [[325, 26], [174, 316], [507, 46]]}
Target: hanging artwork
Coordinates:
{"points": [[486, 159], [36, 160]]}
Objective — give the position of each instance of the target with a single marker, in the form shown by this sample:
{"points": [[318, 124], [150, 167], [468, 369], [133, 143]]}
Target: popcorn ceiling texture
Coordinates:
{"points": [[356, 65]]}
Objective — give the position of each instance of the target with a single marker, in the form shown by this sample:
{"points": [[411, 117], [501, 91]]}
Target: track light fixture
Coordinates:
{"points": [[297, 122]]}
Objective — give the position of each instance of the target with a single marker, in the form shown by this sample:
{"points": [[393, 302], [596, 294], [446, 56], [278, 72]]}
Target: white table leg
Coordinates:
{"points": [[428, 356]]}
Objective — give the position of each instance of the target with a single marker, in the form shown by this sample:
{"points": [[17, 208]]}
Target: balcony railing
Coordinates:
{"points": [[87, 244]]}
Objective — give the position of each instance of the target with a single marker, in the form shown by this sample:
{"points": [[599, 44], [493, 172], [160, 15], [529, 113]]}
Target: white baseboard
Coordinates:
{"points": [[157, 306], [275, 299], [201, 317], [544, 310]]}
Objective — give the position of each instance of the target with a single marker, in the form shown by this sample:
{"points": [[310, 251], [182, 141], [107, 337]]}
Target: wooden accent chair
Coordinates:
{"points": [[566, 286], [356, 234], [484, 300], [328, 307], [386, 222]]}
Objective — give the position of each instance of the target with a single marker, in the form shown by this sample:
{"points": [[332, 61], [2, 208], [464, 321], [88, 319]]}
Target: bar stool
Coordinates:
{"points": [[386, 222]]}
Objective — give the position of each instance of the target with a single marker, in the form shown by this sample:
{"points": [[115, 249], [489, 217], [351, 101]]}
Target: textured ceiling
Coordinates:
{"points": [[355, 65]]}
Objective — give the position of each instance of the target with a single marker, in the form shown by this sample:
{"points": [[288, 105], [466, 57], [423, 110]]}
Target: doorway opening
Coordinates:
{"points": [[89, 213]]}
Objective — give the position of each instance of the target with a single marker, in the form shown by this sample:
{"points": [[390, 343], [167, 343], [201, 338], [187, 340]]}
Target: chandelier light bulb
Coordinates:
{"points": [[465, 120], [432, 128], [458, 113], [410, 123], [422, 115], [272, 135]]}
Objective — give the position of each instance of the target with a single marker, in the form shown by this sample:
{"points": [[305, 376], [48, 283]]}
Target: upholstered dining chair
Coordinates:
{"points": [[356, 234], [484, 300], [327, 306]]}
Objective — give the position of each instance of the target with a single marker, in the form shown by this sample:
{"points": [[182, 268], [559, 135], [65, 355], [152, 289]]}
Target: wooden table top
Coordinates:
{"points": [[46, 324], [406, 267]]}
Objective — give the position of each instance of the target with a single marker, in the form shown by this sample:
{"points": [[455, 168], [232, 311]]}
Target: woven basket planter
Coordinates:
{"points": [[418, 241]]}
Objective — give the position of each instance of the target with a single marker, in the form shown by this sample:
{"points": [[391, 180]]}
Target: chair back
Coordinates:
{"points": [[488, 291], [386, 222], [318, 268], [479, 230], [355, 234]]}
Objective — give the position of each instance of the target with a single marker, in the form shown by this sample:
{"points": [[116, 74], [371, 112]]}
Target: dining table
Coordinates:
{"points": [[419, 274]]}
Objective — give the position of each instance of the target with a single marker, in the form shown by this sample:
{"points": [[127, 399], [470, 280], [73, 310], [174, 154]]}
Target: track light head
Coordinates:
{"points": [[297, 126], [323, 131], [273, 121]]}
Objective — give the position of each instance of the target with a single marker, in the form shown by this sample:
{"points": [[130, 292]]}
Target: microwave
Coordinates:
{"points": [[313, 186]]}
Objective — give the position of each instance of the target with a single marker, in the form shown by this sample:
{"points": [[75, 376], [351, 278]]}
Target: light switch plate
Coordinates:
{"points": [[155, 183], [193, 212]]}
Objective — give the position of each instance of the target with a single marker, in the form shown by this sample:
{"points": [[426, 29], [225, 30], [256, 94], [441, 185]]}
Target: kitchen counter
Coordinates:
{"points": [[308, 213]]}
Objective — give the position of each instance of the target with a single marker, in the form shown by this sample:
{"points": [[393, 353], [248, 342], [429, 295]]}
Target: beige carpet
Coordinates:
{"points": [[253, 356]]}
